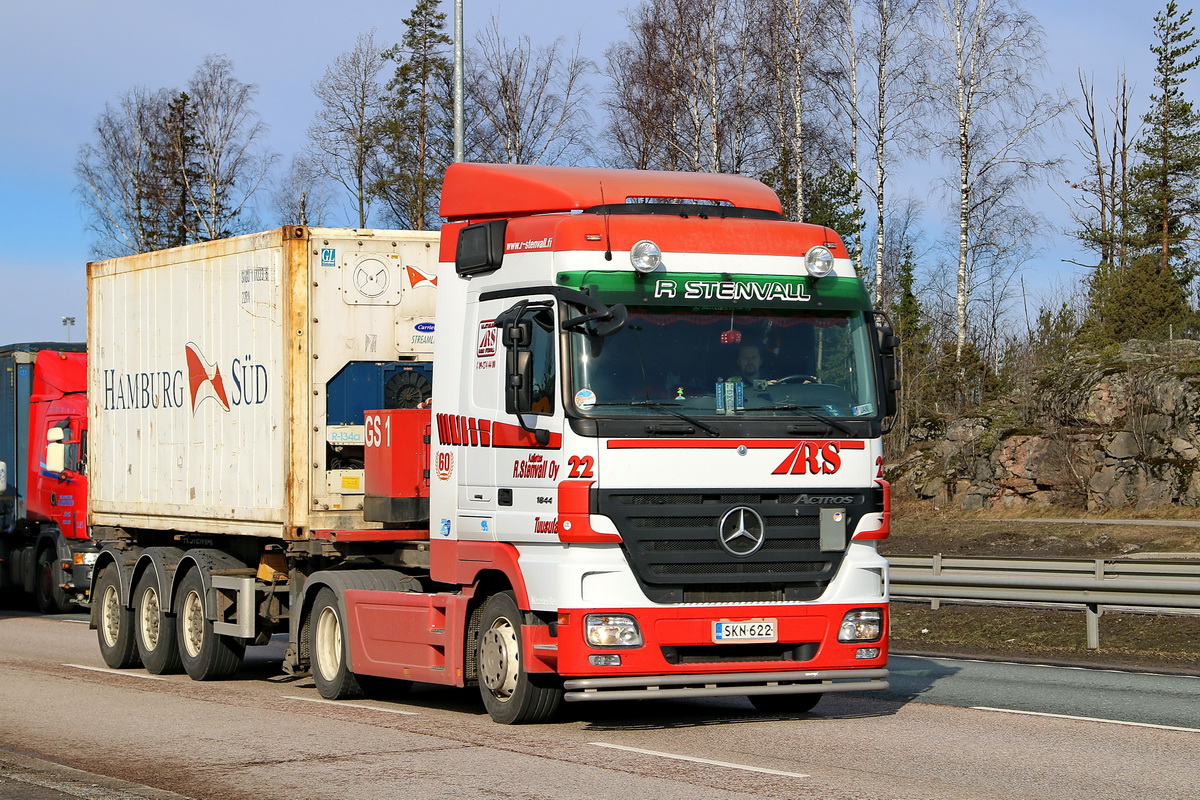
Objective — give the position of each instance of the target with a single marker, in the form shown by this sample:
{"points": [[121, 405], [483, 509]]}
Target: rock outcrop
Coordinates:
{"points": [[1117, 432]]}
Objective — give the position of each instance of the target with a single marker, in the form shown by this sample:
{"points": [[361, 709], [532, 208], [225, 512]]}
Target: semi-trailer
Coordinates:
{"points": [[521, 454]]}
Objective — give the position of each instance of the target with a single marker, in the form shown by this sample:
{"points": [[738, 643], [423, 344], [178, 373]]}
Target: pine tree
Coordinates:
{"points": [[1143, 294], [833, 201], [417, 126], [1166, 179], [175, 175]]}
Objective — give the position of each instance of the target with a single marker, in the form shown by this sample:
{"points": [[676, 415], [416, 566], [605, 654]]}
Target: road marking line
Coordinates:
{"points": [[700, 760], [77, 621], [120, 672], [1088, 719], [340, 704]]}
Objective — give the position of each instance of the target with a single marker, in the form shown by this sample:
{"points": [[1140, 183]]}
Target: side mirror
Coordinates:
{"points": [[889, 342], [518, 387]]}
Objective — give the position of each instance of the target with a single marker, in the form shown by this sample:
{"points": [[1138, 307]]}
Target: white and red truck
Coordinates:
{"points": [[582, 490], [45, 552]]}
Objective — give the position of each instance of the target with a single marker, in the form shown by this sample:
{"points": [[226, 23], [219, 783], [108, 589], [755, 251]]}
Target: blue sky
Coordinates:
{"points": [[62, 60]]}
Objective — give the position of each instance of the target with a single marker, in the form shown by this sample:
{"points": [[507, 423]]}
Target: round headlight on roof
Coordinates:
{"points": [[645, 256], [819, 261]]}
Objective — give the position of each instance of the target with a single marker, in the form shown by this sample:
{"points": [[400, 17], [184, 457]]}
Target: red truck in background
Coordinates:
{"points": [[45, 550]]}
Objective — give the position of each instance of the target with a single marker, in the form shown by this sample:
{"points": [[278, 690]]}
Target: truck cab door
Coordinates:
{"points": [[520, 394]]}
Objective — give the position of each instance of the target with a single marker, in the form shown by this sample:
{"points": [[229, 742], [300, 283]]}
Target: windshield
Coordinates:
{"points": [[771, 362]]}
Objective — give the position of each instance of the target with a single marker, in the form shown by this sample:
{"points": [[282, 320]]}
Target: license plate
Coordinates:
{"points": [[755, 630]]}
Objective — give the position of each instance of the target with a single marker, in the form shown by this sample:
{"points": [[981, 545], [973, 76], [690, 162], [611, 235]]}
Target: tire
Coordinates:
{"points": [[205, 655], [156, 637], [511, 695], [785, 703], [114, 622], [50, 596], [330, 649]]}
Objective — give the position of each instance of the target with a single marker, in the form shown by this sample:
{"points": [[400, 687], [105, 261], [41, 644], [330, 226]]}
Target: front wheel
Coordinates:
{"points": [[114, 622], [157, 641], [511, 695], [205, 655], [330, 662], [51, 597]]}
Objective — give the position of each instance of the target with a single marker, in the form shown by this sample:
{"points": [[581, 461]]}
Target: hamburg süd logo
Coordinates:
{"points": [[204, 378]]}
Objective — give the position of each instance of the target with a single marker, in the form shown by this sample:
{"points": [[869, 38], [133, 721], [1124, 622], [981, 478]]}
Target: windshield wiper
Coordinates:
{"points": [[686, 418], [808, 411]]}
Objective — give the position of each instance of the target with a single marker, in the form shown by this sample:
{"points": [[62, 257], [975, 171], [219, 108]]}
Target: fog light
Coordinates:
{"points": [[819, 261], [645, 256], [867, 652], [605, 661], [612, 630], [861, 625]]}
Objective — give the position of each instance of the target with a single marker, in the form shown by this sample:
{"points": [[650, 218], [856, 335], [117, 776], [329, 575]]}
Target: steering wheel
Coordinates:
{"points": [[798, 378]]}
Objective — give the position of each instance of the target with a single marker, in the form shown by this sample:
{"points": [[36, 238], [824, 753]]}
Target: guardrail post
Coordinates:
{"points": [[935, 603], [1094, 612]]}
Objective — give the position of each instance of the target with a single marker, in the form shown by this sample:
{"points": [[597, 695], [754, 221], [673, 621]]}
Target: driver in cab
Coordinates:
{"points": [[750, 368]]}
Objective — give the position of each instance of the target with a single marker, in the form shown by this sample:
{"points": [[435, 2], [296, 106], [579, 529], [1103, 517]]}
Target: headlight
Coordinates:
{"points": [[646, 256], [612, 630], [819, 262], [861, 625]]}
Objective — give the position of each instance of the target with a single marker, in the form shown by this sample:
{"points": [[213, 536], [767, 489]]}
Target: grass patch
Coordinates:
{"points": [[1136, 641]]}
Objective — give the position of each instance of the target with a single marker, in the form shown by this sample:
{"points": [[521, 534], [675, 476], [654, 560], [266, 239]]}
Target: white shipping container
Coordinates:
{"points": [[210, 370]]}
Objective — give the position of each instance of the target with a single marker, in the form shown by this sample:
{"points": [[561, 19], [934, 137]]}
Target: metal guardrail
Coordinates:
{"points": [[1092, 583]]}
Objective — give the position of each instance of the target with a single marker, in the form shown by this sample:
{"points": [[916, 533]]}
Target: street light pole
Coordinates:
{"points": [[68, 323], [458, 80]]}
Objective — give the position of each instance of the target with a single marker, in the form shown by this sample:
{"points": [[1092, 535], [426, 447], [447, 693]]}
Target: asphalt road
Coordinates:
{"points": [[267, 736]]}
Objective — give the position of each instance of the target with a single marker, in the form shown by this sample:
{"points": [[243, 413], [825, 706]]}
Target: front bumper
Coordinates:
{"points": [[725, 684]]}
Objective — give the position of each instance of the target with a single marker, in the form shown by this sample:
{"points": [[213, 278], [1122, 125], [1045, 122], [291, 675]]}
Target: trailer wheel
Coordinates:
{"points": [[327, 637], [205, 655], [114, 622], [511, 695], [785, 703], [157, 641], [51, 597]]}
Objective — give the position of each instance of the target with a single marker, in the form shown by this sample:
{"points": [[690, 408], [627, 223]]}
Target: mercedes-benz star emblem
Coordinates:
{"points": [[742, 531]]}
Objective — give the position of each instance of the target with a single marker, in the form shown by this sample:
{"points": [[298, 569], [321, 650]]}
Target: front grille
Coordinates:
{"points": [[673, 545]]}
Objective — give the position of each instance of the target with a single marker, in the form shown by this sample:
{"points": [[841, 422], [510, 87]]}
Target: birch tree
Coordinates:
{"points": [[529, 104], [985, 56], [344, 139], [873, 81], [232, 160], [114, 174]]}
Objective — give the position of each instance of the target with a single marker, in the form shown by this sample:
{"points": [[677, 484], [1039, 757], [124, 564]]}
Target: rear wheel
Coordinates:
{"points": [[510, 694], [330, 650], [785, 703], [114, 622], [157, 641], [205, 655], [51, 597]]}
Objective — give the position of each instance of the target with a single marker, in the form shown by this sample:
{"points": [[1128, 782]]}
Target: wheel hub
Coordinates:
{"points": [[110, 621], [150, 618], [193, 624], [499, 662]]}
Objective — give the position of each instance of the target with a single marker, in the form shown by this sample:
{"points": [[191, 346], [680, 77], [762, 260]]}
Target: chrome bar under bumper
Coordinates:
{"points": [[724, 684]]}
